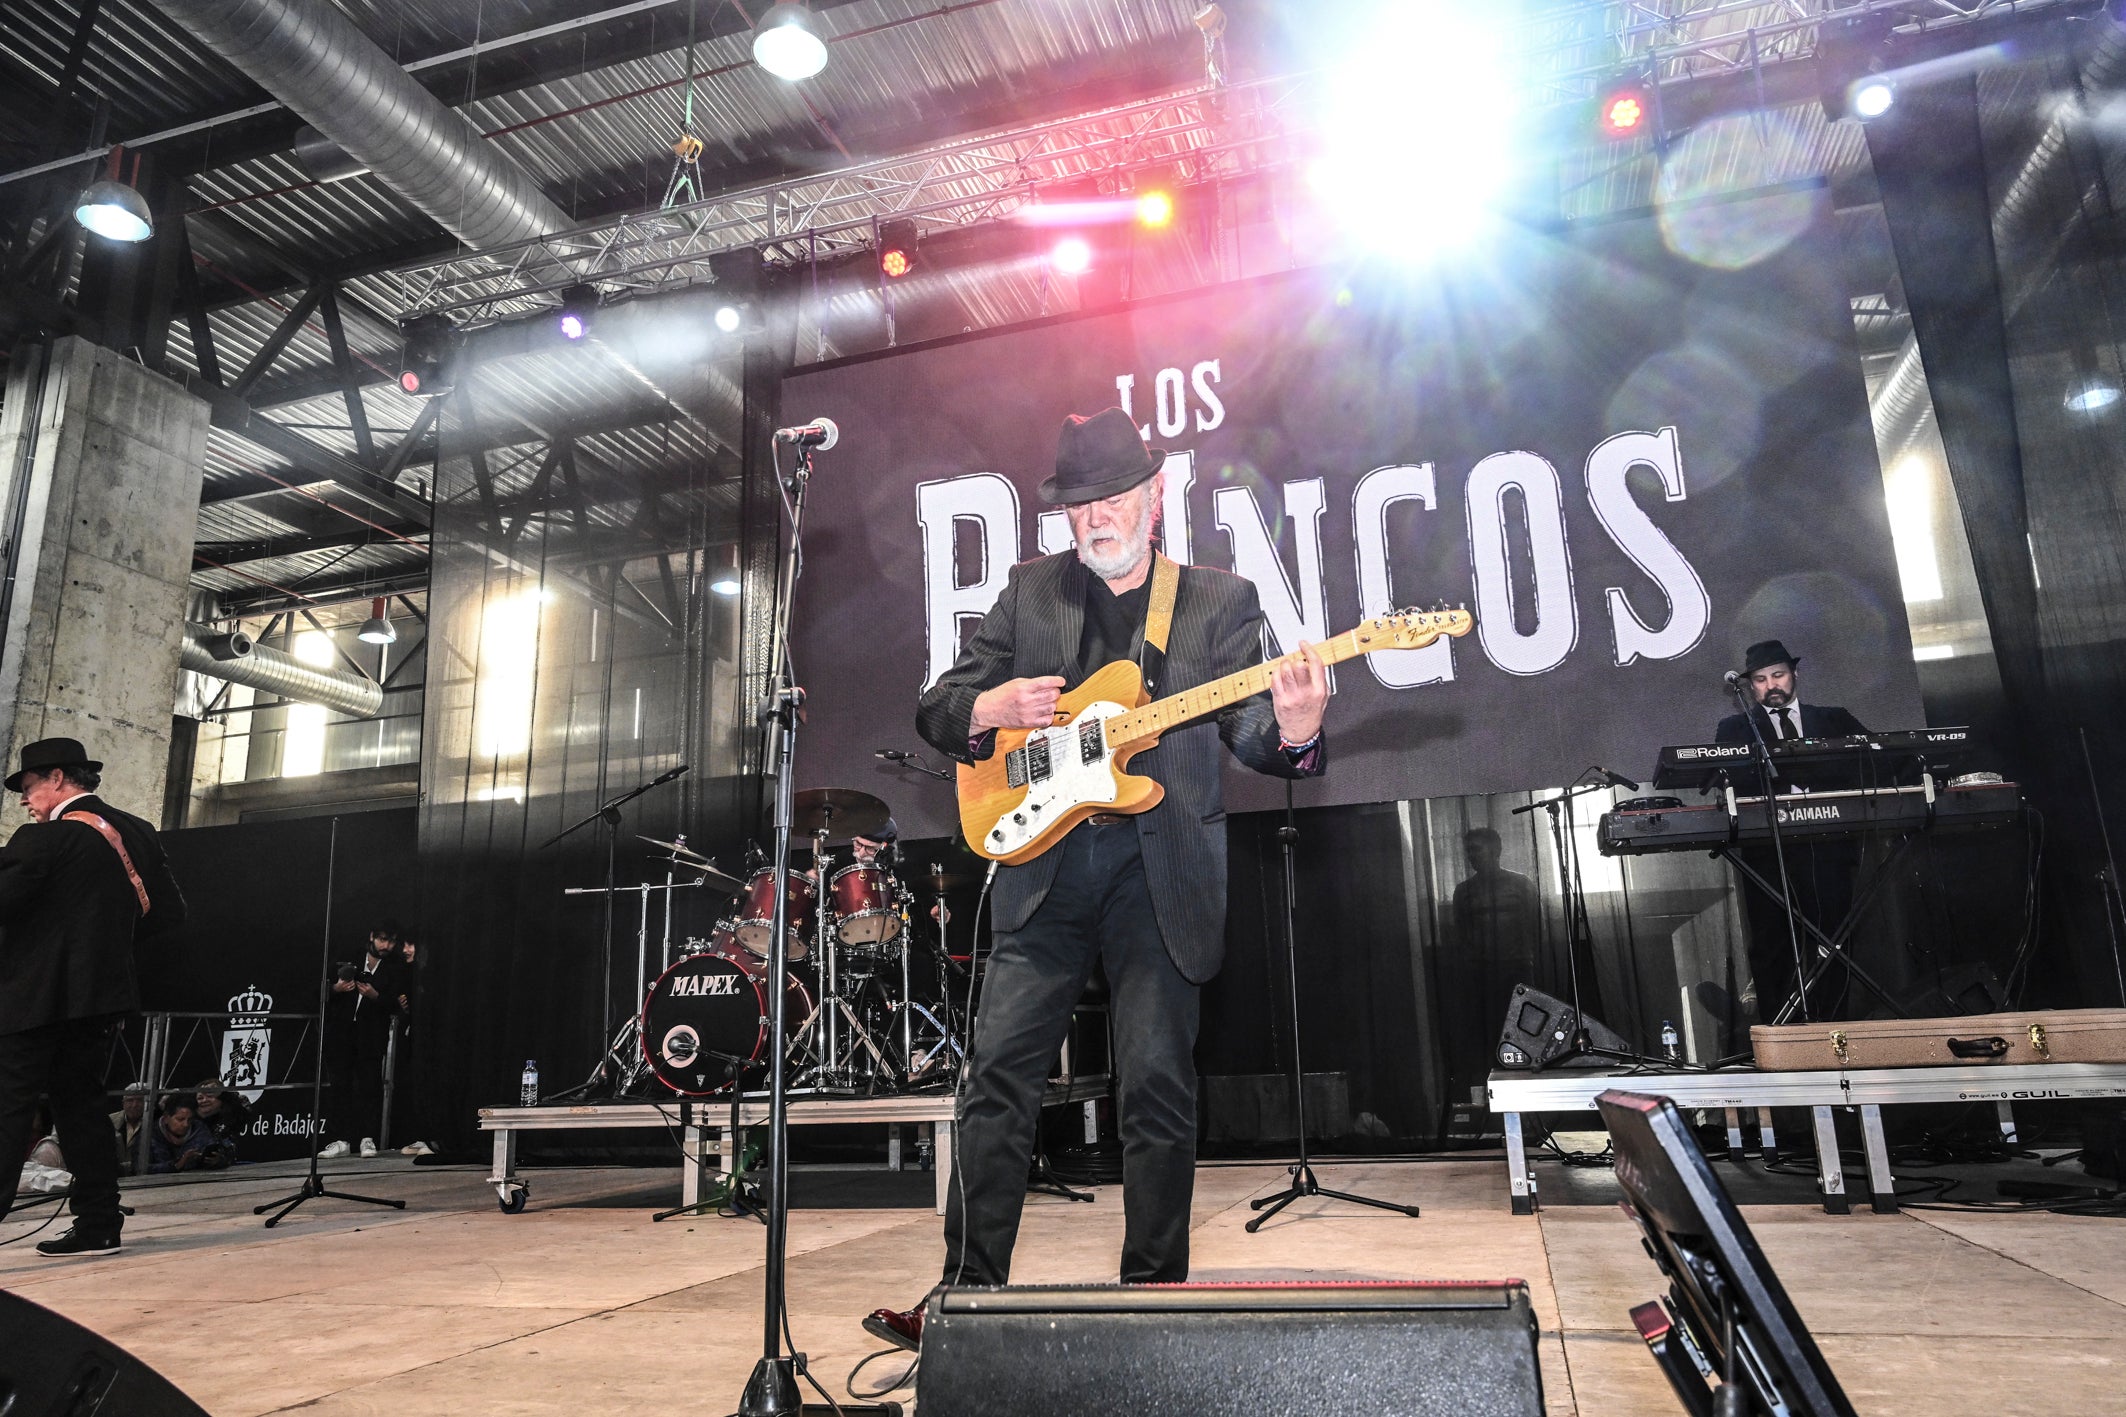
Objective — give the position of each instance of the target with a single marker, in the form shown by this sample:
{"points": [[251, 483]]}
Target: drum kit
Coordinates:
{"points": [[868, 1010]]}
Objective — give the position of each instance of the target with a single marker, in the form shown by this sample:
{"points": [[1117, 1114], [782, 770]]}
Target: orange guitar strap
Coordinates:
{"points": [[110, 834]]}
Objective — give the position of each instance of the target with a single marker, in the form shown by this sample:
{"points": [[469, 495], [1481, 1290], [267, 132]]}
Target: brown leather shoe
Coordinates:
{"points": [[903, 1328]]}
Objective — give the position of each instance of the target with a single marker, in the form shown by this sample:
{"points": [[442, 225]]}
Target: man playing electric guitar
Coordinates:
{"points": [[1141, 896]]}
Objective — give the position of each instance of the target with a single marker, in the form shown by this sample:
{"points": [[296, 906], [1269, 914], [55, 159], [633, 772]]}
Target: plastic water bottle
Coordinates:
{"points": [[528, 1094], [1669, 1040]]}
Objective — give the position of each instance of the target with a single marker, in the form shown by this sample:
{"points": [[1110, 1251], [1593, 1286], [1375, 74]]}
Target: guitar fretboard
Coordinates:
{"points": [[1157, 717]]}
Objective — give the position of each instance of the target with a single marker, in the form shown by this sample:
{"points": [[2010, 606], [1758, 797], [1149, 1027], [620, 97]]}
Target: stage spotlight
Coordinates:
{"points": [[787, 43], [728, 319], [427, 344], [1626, 112], [1073, 256], [896, 247], [1155, 209], [1419, 133], [578, 304], [1872, 97], [726, 584]]}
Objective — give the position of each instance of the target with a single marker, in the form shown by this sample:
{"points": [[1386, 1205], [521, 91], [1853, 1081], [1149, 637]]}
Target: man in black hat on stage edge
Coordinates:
{"points": [[1141, 897], [1821, 873], [78, 885]]}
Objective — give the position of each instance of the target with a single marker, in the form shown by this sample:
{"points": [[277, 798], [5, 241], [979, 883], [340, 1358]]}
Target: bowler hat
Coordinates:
{"points": [[1097, 457], [1765, 653], [48, 753]]}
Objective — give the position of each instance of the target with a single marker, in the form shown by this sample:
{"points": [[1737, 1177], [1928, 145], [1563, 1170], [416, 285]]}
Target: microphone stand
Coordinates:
{"points": [[1786, 885], [772, 1391], [1303, 1180], [609, 814], [912, 763]]}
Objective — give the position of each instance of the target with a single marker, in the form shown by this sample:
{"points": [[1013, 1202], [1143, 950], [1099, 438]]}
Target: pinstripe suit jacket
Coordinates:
{"points": [[1034, 629]]}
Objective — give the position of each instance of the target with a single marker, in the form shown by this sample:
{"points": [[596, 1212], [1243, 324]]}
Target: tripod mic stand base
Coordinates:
{"points": [[314, 1189], [772, 1392], [1305, 1184]]}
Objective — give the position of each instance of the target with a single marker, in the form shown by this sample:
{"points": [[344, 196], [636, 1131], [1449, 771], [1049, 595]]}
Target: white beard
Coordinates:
{"points": [[1133, 546]]}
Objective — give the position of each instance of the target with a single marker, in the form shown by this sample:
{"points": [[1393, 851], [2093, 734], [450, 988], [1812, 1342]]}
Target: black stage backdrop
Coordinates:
{"points": [[255, 911], [1625, 463]]}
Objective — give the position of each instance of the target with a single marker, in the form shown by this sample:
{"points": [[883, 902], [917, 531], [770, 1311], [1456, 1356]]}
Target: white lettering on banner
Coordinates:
{"points": [[1125, 386], [992, 503], [1172, 403], [1690, 609], [1557, 620], [1180, 470], [1213, 411], [1377, 491], [1052, 533], [1290, 613]]}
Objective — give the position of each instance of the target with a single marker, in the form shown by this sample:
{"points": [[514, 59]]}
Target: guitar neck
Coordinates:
{"points": [[1171, 712]]}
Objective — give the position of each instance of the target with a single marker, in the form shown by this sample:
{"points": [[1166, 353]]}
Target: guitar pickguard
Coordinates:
{"points": [[1070, 765]]}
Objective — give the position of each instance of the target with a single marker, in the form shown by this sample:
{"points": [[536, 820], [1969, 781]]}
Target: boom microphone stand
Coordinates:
{"points": [[1738, 685], [1303, 1180], [772, 1389], [314, 1185]]}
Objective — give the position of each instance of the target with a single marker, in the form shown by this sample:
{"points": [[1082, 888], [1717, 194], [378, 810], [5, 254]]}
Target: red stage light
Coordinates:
{"points": [[1625, 113], [1072, 256], [894, 263], [410, 382], [1155, 209]]}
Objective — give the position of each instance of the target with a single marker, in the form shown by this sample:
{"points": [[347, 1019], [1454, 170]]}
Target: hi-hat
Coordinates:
{"points": [[840, 811], [693, 860]]}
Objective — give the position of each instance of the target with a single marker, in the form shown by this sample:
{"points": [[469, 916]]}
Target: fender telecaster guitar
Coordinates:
{"points": [[1040, 782]]}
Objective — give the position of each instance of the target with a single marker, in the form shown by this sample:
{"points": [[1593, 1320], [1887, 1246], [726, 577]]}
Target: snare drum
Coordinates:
{"points": [[710, 1010], [756, 914], [865, 904]]}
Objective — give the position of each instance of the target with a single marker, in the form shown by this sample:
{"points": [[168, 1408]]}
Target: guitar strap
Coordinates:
{"points": [[110, 834], [1158, 620]]}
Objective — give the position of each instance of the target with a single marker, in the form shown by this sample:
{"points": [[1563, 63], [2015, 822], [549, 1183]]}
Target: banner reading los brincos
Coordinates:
{"points": [[1625, 465]]}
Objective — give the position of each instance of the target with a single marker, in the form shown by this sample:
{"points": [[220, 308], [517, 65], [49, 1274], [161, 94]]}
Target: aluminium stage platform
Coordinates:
{"points": [[1733, 1090], [696, 1118]]}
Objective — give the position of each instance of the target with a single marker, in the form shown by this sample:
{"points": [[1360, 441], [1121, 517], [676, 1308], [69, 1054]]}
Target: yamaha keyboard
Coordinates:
{"points": [[1863, 760], [1810, 816]]}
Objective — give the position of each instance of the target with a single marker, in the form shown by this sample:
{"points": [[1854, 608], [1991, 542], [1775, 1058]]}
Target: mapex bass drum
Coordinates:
{"points": [[710, 1011], [756, 913]]}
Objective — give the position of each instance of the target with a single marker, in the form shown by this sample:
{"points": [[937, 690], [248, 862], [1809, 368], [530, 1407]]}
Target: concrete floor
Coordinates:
{"points": [[582, 1306]]}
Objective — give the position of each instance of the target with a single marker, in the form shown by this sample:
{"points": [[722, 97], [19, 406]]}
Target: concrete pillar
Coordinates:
{"points": [[100, 464]]}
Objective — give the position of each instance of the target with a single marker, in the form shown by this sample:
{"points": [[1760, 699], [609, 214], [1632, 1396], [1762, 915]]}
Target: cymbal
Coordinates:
{"points": [[843, 811], [711, 877]]}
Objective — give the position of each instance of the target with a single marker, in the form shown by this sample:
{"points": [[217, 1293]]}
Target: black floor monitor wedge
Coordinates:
{"points": [[1726, 1334]]}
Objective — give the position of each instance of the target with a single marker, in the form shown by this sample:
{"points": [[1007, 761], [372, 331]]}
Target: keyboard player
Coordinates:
{"points": [[1821, 873]]}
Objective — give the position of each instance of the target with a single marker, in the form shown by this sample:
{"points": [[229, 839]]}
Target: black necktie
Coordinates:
{"points": [[1787, 727]]}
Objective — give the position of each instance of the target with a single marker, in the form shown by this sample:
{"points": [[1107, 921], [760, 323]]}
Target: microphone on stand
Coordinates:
{"points": [[677, 772], [1733, 678], [893, 755], [820, 433], [1617, 779]]}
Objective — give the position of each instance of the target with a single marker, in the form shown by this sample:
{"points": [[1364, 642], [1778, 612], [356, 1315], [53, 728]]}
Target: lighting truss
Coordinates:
{"points": [[1203, 131]]}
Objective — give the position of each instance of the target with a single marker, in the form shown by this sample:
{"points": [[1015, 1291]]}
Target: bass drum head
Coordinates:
{"points": [[701, 1013]]}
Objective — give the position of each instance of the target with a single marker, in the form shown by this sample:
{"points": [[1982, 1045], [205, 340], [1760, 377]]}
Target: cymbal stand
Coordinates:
{"points": [[622, 1060]]}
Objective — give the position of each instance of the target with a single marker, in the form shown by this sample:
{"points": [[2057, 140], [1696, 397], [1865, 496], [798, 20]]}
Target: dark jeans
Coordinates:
{"points": [[354, 1065], [65, 1060], [1099, 909]]}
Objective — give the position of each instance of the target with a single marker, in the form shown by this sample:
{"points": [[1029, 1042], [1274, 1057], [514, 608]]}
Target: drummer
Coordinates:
{"points": [[868, 849]]}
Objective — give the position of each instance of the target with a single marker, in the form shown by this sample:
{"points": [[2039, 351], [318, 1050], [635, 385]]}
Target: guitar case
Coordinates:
{"points": [[2033, 1036]]}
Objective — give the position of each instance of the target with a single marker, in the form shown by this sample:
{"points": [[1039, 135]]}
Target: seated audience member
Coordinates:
{"points": [[126, 1123], [179, 1142], [223, 1115]]}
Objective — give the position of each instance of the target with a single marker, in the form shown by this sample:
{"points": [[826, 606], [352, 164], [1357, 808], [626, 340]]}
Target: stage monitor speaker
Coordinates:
{"points": [[53, 1367], [1223, 1350], [1541, 1032]]}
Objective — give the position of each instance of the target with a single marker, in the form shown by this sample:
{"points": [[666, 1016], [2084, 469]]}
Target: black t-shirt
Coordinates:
{"points": [[1112, 624]]}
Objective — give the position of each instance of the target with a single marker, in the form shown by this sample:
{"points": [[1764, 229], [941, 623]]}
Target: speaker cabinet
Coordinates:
{"points": [[53, 1367], [1541, 1031], [1208, 1350]]}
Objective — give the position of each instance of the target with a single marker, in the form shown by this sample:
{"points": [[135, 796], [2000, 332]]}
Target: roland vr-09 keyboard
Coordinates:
{"points": [[1811, 815], [1863, 760]]}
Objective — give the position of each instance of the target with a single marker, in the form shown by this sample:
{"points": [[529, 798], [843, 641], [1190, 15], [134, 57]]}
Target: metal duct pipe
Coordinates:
{"points": [[314, 60], [236, 658]]}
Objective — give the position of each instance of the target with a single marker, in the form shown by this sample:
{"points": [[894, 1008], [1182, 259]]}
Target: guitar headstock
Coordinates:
{"points": [[1413, 629]]}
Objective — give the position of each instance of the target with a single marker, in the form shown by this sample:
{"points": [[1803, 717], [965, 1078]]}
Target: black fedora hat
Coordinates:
{"points": [[1765, 653], [1097, 457], [48, 753]]}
